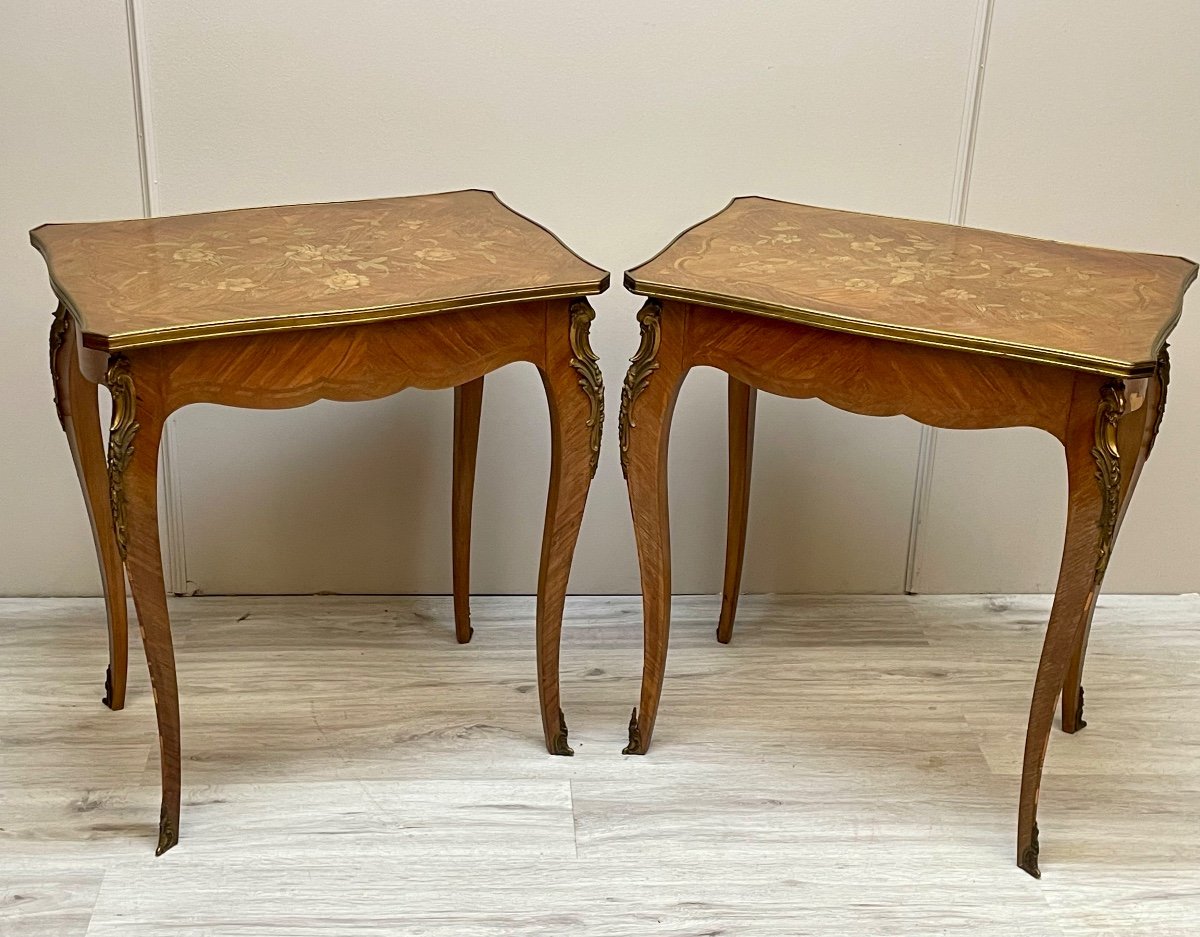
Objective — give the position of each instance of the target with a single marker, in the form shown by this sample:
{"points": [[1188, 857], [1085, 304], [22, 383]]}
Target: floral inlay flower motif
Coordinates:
{"points": [[957, 294], [435, 254], [236, 284], [764, 266], [307, 253], [345, 280], [1033, 270], [197, 254], [869, 243]]}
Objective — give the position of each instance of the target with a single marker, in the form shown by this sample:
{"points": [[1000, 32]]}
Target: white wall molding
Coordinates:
{"points": [[927, 447]]}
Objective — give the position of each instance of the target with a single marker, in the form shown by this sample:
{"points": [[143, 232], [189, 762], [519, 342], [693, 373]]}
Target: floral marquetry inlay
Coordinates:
{"points": [[1099, 310], [155, 280]]}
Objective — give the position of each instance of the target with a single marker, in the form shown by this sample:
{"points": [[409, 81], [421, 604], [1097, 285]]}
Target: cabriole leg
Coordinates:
{"points": [[133, 471], [468, 402], [742, 399], [1096, 470], [1136, 435], [575, 392], [78, 411], [648, 400]]}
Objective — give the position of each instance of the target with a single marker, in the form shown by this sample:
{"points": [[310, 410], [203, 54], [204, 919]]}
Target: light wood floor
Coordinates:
{"points": [[349, 769]]}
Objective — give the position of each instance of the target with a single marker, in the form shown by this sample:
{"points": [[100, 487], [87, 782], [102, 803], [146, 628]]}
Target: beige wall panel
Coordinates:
{"points": [[68, 152], [1088, 133], [616, 125]]}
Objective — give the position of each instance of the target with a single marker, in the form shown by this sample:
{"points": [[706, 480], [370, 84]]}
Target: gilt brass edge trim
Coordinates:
{"points": [[909, 335], [1164, 379], [641, 366], [122, 341], [58, 337], [122, 430], [1107, 454], [585, 362]]}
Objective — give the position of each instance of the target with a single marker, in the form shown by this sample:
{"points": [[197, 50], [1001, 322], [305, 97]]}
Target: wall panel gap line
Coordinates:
{"points": [[170, 490], [927, 443]]}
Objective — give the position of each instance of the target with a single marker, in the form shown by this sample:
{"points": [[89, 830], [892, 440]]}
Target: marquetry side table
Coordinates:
{"points": [[953, 327], [279, 307]]}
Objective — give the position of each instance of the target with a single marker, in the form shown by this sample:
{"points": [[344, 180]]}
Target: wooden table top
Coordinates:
{"points": [[152, 281], [1097, 310]]}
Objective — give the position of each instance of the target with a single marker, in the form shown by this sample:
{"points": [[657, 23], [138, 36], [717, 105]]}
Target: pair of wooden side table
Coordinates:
{"points": [[279, 307]]}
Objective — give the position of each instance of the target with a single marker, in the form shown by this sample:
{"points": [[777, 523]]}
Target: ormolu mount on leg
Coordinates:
{"points": [[1029, 858], [635, 737], [641, 366], [122, 430], [584, 360]]}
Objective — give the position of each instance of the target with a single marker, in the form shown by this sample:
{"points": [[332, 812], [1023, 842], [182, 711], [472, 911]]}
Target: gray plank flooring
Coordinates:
{"points": [[849, 765]]}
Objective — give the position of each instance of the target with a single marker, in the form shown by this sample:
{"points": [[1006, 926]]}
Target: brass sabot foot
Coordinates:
{"points": [[635, 737], [1029, 857], [168, 833], [558, 744]]}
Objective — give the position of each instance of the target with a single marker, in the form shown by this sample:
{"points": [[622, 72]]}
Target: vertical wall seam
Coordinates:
{"points": [[964, 163], [171, 490]]}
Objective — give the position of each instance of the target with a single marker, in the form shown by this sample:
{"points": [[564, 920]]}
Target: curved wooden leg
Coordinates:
{"points": [[575, 392], [742, 399], [78, 411], [647, 404], [1136, 435], [1094, 476], [468, 401], [133, 472]]}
